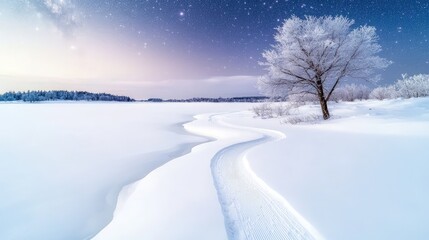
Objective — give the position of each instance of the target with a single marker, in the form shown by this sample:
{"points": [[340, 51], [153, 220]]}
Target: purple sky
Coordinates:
{"points": [[178, 49]]}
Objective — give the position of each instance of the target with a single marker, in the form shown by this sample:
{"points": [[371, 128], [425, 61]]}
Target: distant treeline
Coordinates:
{"points": [[233, 99], [38, 96]]}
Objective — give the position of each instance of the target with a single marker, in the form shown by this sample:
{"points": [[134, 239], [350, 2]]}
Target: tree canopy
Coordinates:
{"points": [[314, 54]]}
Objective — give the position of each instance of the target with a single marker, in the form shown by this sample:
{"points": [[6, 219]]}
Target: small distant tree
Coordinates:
{"points": [[313, 55]]}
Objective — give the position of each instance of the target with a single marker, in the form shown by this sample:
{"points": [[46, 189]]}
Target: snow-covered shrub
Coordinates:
{"points": [[263, 110], [351, 92], [286, 109], [296, 119], [381, 93], [275, 110], [281, 110], [413, 86]]}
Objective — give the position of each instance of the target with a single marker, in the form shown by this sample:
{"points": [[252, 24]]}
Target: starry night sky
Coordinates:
{"points": [[141, 47]]}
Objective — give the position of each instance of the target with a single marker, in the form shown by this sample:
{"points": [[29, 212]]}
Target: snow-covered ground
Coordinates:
{"points": [[63, 164], [362, 175]]}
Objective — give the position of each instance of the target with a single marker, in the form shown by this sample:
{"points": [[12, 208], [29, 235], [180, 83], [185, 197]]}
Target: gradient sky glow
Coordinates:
{"points": [[178, 48]]}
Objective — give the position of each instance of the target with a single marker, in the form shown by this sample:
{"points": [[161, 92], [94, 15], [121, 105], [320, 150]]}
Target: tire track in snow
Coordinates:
{"points": [[252, 210]]}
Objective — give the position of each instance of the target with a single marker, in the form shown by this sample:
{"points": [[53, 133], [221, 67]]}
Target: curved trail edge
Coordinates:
{"points": [[251, 209]]}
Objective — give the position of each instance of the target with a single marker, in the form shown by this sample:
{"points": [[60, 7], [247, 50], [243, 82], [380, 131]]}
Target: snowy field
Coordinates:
{"points": [[213, 171]]}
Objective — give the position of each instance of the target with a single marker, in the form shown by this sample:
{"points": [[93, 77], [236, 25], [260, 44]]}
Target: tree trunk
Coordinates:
{"points": [[322, 99], [324, 106]]}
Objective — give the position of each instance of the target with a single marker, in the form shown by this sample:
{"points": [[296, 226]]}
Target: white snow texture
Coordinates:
{"points": [[130, 171]]}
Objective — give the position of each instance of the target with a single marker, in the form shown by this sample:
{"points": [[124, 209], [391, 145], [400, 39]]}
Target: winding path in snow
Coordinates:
{"points": [[213, 172], [252, 210]]}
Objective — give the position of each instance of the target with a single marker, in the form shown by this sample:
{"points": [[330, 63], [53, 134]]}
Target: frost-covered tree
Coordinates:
{"points": [[381, 93], [351, 92], [313, 55], [413, 86], [408, 87]]}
